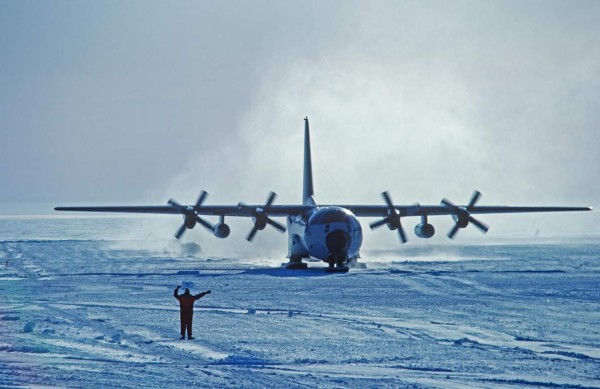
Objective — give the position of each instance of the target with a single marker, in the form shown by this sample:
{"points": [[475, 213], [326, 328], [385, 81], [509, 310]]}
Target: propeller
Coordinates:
{"points": [[190, 215], [462, 215], [261, 217], [392, 219]]}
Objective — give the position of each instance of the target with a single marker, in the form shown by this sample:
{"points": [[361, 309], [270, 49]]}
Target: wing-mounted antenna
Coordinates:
{"points": [[308, 191]]}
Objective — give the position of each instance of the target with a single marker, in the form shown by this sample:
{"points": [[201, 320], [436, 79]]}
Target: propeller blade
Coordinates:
{"points": [[378, 223], [201, 199], [276, 225], [190, 214], [174, 203], [453, 231], [448, 204], [392, 218], [388, 200], [261, 216], [482, 227], [272, 197], [204, 222], [253, 232], [461, 213], [474, 199], [402, 234], [180, 231]]}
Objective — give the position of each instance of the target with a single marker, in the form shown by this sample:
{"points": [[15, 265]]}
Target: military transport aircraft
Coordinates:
{"points": [[331, 233]]}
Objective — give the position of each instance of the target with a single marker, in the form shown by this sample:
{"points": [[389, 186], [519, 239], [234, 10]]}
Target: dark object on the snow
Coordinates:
{"points": [[186, 309]]}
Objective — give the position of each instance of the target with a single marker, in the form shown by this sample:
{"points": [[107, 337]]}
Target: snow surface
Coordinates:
{"points": [[84, 312]]}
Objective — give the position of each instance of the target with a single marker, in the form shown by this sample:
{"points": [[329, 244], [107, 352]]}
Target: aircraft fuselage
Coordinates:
{"points": [[325, 232]]}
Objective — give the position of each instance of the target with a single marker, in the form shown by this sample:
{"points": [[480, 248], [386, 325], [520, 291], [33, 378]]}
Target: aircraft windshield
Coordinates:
{"points": [[326, 216]]}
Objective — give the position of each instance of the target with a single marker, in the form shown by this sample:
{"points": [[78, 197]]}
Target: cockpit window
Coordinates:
{"points": [[326, 216]]}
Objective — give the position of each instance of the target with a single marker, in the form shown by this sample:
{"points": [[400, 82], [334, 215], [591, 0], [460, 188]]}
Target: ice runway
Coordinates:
{"points": [[90, 313]]}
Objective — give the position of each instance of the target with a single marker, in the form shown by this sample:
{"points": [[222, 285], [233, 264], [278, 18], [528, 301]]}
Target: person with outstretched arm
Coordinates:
{"points": [[186, 309]]}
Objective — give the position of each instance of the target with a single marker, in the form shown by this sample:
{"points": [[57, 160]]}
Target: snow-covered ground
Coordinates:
{"points": [[84, 312]]}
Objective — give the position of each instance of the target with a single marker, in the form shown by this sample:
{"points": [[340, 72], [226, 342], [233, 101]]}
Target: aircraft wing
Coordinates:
{"points": [[462, 214], [433, 210], [261, 214], [217, 210], [292, 210], [164, 209], [192, 214]]}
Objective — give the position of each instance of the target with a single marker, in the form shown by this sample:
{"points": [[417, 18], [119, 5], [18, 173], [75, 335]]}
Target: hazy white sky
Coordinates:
{"points": [[112, 102]]}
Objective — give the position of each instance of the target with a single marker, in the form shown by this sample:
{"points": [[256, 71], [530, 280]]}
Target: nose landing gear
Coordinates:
{"points": [[337, 264]]}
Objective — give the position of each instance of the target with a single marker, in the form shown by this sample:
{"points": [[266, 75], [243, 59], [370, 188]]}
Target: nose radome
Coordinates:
{"points": [[338, 242]]}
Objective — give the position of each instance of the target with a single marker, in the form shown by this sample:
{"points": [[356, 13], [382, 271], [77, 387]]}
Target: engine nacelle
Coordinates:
{"points": [[260, 222], [424, 230], [221, 230], [189, 219], [461, 218]]}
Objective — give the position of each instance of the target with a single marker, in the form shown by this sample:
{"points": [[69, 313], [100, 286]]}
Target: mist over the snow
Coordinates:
{"points": [[138, 102]]}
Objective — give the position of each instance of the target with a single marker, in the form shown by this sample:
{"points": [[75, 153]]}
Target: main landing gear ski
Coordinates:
{"points": [[337, 264], [295, 263]]}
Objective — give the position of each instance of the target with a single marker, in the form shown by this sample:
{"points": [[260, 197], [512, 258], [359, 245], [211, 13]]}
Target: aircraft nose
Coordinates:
{"points": [[338, 242]]}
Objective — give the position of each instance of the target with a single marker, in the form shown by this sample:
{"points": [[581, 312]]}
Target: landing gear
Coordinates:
{"points": [[354, 264], [337, 264], [295, 263]]}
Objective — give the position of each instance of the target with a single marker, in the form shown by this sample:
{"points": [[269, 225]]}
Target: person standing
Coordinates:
{"points": [[186, 309]]}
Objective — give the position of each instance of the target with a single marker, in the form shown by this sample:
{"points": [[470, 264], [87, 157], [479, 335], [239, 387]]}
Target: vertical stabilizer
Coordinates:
{"points": [[308, 192]]}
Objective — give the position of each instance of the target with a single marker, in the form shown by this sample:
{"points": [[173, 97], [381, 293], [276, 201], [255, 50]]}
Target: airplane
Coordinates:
{"points": [[330, 233]]}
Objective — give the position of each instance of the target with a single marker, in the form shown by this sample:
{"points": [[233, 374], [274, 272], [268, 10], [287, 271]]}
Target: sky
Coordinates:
{"points": [[111, 102]]}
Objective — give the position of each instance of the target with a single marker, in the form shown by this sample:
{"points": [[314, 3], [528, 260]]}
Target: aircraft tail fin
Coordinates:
{"points": [[308, 191]]}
